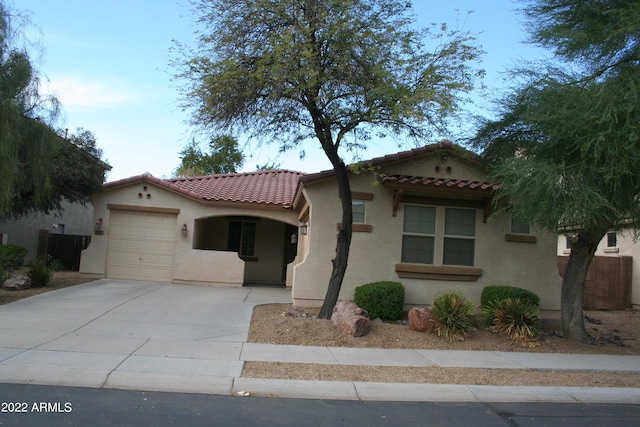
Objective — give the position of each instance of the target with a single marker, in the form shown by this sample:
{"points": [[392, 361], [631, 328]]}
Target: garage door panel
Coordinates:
{"points": [[141, 245]]}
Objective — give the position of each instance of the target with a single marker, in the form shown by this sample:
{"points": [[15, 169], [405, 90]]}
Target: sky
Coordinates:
{"points": [[108, 64]]}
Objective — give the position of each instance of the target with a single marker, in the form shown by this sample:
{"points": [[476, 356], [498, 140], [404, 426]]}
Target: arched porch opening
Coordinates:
{"points": [[265, 245]]}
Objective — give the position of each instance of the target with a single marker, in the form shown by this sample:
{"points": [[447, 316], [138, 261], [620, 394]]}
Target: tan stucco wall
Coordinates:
{"points": [[190, 265], [374, 254], [627, 245]]}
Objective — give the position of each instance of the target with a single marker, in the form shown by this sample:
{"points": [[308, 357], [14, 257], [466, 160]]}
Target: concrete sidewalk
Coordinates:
{"points": [[182, 338]]}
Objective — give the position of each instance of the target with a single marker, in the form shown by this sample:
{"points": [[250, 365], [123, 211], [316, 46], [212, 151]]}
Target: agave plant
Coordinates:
{"points": [[451, 315], [517, 319]]}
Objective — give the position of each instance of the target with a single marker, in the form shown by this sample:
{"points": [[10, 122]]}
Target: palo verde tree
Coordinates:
{"points": [[224, 157], [38, 167], [291, 70], [566, 145]]}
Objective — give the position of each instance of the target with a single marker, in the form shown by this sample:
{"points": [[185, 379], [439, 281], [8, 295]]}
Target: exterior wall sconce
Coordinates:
{"points": [[98, 225], [303, 228], [183, 230], [294, 239]]}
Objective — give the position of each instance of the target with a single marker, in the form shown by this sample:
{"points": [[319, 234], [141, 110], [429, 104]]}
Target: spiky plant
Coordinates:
{"points": [[451, 315], [517, 319]]}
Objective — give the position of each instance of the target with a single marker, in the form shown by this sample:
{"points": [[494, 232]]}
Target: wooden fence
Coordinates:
{"points": [[608, 284]]}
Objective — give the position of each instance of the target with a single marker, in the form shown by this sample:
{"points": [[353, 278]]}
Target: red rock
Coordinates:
{"points": [[351, 319], [419, 319]]}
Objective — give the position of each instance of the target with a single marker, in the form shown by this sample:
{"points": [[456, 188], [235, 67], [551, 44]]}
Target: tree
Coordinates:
{"points": [[33, 157], [224, 157], [566, 146], [293, 70]]}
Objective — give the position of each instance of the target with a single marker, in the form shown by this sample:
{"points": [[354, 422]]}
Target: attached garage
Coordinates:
{"points": [[141, 245]]}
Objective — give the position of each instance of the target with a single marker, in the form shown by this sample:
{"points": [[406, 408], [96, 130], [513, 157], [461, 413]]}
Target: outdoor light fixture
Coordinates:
{"points": [[183, 230], [303, 228], [98, 226], [294, 238]]}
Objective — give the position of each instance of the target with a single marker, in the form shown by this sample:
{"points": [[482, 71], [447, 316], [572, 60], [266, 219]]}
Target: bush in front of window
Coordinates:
{"points": [[384, 300], [451, 315], [518, 319], [492, 296]]}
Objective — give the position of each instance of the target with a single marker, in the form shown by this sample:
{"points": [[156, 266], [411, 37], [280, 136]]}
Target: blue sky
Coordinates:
{"points": [[108, 63]]}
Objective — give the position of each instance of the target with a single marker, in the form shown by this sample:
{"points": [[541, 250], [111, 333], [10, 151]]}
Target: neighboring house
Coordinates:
{"points": [[32, 231], [421, 217], [618, 245]]}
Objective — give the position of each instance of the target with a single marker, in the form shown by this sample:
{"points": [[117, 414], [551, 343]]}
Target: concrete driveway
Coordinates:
{"points": [[135, 335]]}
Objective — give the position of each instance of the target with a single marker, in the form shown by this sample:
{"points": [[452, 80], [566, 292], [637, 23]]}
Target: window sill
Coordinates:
{"points": [[357, 227], [438, 272], [611, 250], [521, 238]]}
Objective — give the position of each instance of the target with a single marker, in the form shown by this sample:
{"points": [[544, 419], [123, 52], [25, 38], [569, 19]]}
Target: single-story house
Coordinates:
{"points": [[421, 217]]}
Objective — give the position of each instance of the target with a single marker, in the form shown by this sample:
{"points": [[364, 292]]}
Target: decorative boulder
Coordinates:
{"points": [[419, 319], [351, 319], [17, 282]]}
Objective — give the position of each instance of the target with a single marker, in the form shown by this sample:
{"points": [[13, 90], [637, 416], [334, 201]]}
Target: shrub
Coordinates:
{"points": [[451, 315], [494, 295], [12, 257], [518, 319], [384, 300], [41, 271]]}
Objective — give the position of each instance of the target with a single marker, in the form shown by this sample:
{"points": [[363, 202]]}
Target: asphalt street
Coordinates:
{"points": [[28, 405]]}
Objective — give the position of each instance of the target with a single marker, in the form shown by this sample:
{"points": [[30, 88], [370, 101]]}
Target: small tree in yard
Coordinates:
{"points": [[567, 143], [292, 70]]}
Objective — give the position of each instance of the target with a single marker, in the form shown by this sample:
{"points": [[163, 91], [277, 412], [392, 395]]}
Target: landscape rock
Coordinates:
{"points": [[350, 319], [17, 282], [419, 319]]}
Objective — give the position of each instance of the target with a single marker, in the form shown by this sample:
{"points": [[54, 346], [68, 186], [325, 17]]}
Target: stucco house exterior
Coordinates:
{"points": [[421, 217]]}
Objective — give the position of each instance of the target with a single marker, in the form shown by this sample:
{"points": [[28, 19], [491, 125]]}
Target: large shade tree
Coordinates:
{"points": [[566, 144], [38, 167], [294, 70], [223, 156]]}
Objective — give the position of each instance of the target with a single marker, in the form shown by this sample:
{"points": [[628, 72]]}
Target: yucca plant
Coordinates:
{"points": [[517, 319], [451, 315]]}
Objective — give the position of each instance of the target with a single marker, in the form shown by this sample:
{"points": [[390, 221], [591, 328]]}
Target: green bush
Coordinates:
{"points": [[493, 295], [518, 319], [41, 271], [384, 300], [12, 257], [451, 315]]}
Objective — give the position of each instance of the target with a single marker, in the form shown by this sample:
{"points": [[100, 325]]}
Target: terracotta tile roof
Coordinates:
{"points": [[274, 187], [439, 182]]}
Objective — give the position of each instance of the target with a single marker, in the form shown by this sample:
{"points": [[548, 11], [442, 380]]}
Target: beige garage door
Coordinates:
{"points": [[141, 245]]}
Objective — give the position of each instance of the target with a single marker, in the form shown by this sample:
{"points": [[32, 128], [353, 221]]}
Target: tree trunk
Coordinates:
{"points": [[343, 242], [572, 296]]}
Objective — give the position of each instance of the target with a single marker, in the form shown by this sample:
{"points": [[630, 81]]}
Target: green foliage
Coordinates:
{"points": [[566, 144], [38, 167], [384, 300], [499, 293], [224, 157], [451, 315], [516, 318], [41, 271], [12, 257]]}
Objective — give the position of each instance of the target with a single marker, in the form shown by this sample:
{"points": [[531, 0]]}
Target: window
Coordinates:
{"points": [[435, 235], [358, 208], [612, 239], [242, 237], [520, 227], [459, 236]]}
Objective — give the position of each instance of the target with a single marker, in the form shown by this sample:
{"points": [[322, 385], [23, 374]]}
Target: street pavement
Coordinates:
{"points": [[192, 339]]}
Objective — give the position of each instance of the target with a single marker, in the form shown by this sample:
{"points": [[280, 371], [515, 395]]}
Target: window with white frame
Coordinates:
{"points": [[358, 209], [438, 235], [520, 227]]}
